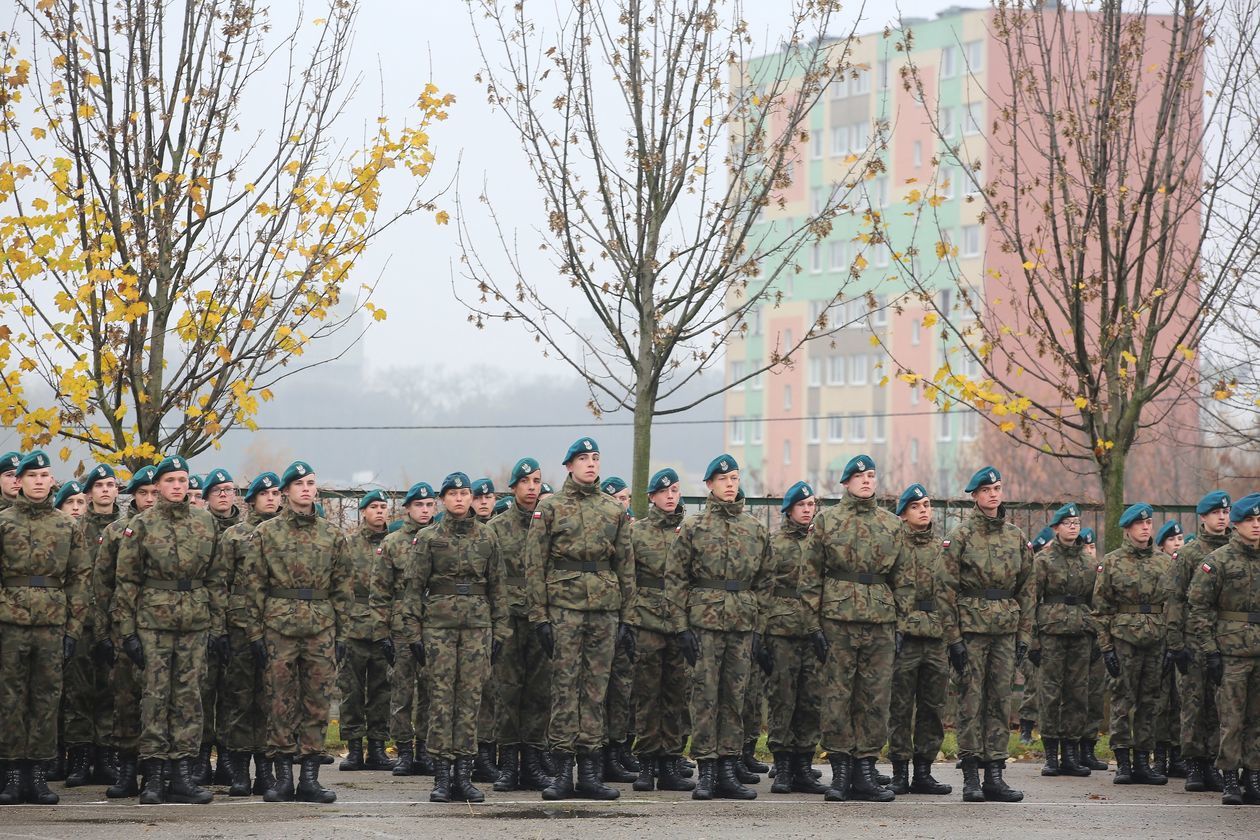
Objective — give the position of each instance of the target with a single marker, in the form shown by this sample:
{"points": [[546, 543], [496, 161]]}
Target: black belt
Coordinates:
{"points": [[1070, 600], [299, 594], [582, 565], [926, 605], [867, 578], [38, 581], [443, 587], [987, 594], [1231, 615], [717, 583], [514, 581], [786, 592], [650, 581], [1139, 609], [180, 585]]}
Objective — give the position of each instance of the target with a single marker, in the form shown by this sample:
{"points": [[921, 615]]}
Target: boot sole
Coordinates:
{"points": [[943, 790]]}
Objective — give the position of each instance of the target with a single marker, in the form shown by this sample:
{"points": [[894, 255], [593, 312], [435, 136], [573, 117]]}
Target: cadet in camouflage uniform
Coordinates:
{"points": [[168, 607], [723, 556], [921, 670], [8, 478], [578, 582], [797, 647], [1131, 600], [619, 761], [523, 671], [71, 500], [1200, 723], [485, 767], [299, 581], [1169, 539], [74, 722], [1065, 637], [100, 760], [456, 619], [242, 704], [1224, 624], [44, 605], [1027, 669], [363, 679], [660, 673], [1094, 716], [409, 690], [988, 564]]}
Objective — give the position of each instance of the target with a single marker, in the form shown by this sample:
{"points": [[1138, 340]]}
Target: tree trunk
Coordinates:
{"points": [[644, 408], [1112, 474]]}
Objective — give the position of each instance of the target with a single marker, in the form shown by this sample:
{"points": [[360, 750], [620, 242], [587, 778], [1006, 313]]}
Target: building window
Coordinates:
{"points": [[736, 432], [881, 192], [918, 152], [754, 321], [737, 376], [878, 431], [789, 171], [816, 145], [883, 71], [975, 55], [973, 122], [860, 83], [971, 240], [859, 137], [837, 256], [754, 431], [881, 255], [857, 428], [835, 429], [835, 370], [857, 369], [787, 397], [811, 427], [880, 316], [815, 372], [817, 200], [944, 426], [948, 122], [815, 258], [916, 330], [914, 450], [787, 453], [948, 187], [970, 183], [839, 136], [787, 339], [949, 62], [758, 381], [970, 426], [839, 87], [914, 395]]}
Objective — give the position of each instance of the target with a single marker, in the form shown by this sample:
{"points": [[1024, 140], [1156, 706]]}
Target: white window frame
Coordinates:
{"points": [[857, 428], [974, 51], [973, 121], [880, 188], [948, 187], [914, 450], [787, 397], [815, 366], [787, 453], [879, 428], [918, 153], [949, 61], [738, 369], [883, 73], [812, 430], [835, 428], [882, 256], [970, 426], [837, 260], [858, 369], [944, 426], [914, 395], [816, 145], [860, 84], [754, 433], [758, 381], [815, 258], [817, 200], [947, 122], [735, 434], [972, 239], [916, 332], [836, 364], [839, 136], [879, 317]]}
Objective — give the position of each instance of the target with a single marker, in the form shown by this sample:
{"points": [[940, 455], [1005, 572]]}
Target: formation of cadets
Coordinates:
{"points": [[548, 641]]}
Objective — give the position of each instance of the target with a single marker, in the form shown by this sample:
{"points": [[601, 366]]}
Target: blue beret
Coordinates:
{"points": [[70, 488], [1171, 528], [662, 479], [614, 485], [720, 465], [455, 481], [1136, 512], [1044, 537], [798, 492], [373, 496], [586, 444], [1087, 537], [143, 477], [9, 461], [295, 471], [1248, 505], [483, 487], [98, 472], [214, 478], [393, 526], [523, 467], [502, 505], [859, 464], [170, 464], [912, 493], [983, 477], [195, 481], [545, 489], [419, 490], [260, 483], [33, 460], [1216, 500], [1066, 512]]}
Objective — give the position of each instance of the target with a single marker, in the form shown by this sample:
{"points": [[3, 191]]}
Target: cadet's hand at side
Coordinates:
{"points": [[547, 638], [134, 650], [690, 647]]}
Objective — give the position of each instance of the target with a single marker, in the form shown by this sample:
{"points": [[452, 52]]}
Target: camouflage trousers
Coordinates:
{"points": [[619, 711], [581, 668], [857, 687], [459, 665], [103, 702], [1200, 723], [983, 696], [753, 715], [1239, 702], [1135, 695], [408, 697], [300, 676], [916, 708], [1096, 717], [78, 695], [30, 691], [488, 713], [126, 687], [795, 695], [719, 682], [660, 693], [363, 686], [242, 713], [170, 708], [1029, 704], [1168, 718], [1063, 680], [523, 675], [211, 681]]}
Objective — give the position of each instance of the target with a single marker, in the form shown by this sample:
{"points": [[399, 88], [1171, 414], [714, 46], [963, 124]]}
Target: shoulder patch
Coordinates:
{"points": [[1207, 567], [127, 532]]}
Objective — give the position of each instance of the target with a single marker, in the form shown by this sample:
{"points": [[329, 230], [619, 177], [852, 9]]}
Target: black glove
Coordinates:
{"points": [[417, 650], [221, 647], [899, 639], [1184, 660], [1021, 650], [625, 639], [104, 654], [387, 648], [547, 638], [259, 649], [1112, 663], [496, 647], [1167, 664], [821, 645], [1214, 667], [690, 647], [339, 652], [67, 648], [1095, 653], [958, 657], [762, 655], [1034, 656], [134, 650]]}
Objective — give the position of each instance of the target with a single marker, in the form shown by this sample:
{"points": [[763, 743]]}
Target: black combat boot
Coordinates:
{"points": [[467, 791], [1026, 730], [1251, 787], [749, 757], [405, 763], [1124, 770], [841, 777], [865, 787], [923, 782], [1196, 772], [484, 768], [354, 756], [1212, 777], [612, 769], [803, 779], [282, 790], [79, 773], [309, 789], [238, 762], [1052, 756], [183, 789], [1230, 792], [36, 785], [706, 781], [154, 792], [646, 779], [900, 785], [625, 757], [729, 785], [376, 757], [972, 790], [1071, 764], [222, 774], [667, 777], [12, 793], [995, 788], [781, 772], [264, 774], [1089, 758], [441, 781], [561, 786], [509, 769], [1143, 773], [532, 775], [588, 784], [324, 758], [126, 786], [1160, 762], [201, 768], [685, 767], [57, 768], [743, 773], [1176, 764], [422, 765]]}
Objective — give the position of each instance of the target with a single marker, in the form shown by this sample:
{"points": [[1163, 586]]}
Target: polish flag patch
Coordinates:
{"points": [[380, 551], [127, 532], [538, 514], [1207, 568], [1100, 568], [945, 544]]}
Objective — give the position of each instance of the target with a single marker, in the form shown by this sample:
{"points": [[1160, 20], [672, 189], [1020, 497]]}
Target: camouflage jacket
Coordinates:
{"points": [[363, 546], [389, 581], [233, 544], [5, 503], [1224, 601], [992, 563], [171, 544], [1184, 564], [1065, 590], [1131, 596], [456, 580], [105, 572], [577, 554], [786, 610], [234, 517], [856, 555], [925, 593], [94, 525], [298, 551], [724, 556], [511, 528], [651, 606], [37, 540]]}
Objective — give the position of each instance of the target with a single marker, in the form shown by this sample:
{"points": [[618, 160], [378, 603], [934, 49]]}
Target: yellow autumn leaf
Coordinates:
{"points": [[442, 217], [1029, 265], [929, 319], [874, 340], [1007, 426], [1080, 402], [1128, 357]]}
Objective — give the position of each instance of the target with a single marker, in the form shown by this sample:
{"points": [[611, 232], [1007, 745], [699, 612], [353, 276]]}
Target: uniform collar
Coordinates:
{"points": [[661, 519], [794, 529], [730, 510], [573, 487]]}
